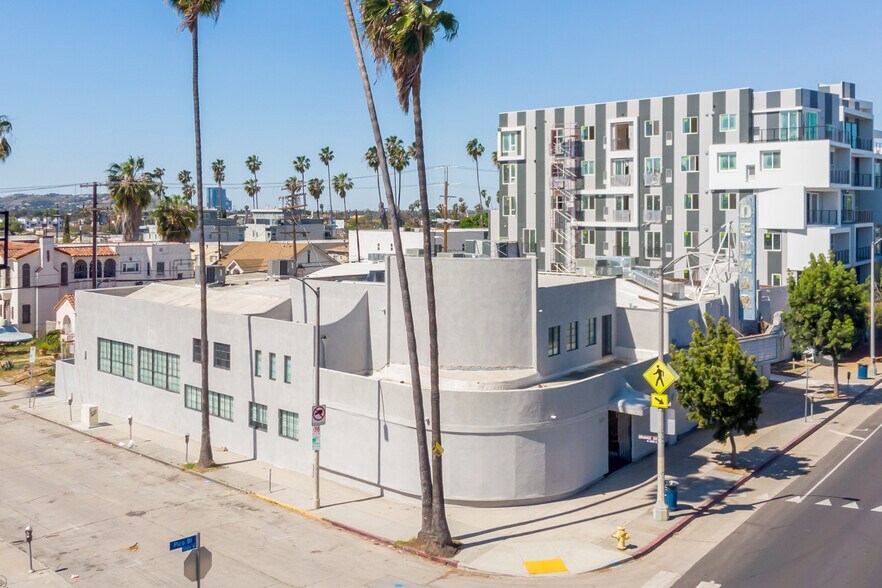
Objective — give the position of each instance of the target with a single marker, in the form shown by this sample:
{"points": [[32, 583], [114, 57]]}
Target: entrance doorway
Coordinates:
{"points": [[619, 440]]}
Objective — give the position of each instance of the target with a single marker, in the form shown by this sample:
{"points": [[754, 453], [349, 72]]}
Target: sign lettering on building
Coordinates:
{"points": [[747, 256]]}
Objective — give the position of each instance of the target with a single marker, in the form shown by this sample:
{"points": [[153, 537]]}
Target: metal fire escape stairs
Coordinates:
{"points": [[565, 176]]}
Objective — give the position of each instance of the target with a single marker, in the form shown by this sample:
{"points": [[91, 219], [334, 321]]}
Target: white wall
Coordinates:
{"points": [[803, 163]]}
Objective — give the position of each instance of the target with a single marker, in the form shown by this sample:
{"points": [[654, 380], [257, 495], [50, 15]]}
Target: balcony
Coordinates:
{"points": [[842, 256], [622, 251], [862, 253], [840, 176], [622, 216], [822, 217], [814, 133], [620, 180], [862, 180], [620, 144], [878, 182], [652, 179], [862, 143], [863, 216], [652, 216]]}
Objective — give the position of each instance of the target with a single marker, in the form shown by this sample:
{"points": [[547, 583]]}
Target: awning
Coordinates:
{"points": [[629, 401]]}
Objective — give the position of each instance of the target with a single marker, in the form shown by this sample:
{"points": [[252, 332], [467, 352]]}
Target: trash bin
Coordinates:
{"points": [[671, 494], [862, 371]]}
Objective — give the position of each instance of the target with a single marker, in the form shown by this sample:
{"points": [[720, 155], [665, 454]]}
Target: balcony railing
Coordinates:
{"points": [[619, 180], [862, 253], [840, 176], [620, 144], [652, 179], [652, 216], [862, 180], [878, 182], [841, 256], [622, 250], [863, 216], [622, 216], [822, 217], [862, 143], [799, 134]]}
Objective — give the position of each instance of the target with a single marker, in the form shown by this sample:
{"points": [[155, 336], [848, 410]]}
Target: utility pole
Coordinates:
{"points": [[94, 235], [445, 208]]}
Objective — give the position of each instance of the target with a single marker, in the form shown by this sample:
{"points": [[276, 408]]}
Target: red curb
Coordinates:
{"points": [[704, 506]]}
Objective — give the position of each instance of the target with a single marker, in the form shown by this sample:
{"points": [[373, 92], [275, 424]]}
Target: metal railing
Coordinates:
{"points": [[878, 182], [652, 216], [652, 179], [862, 253], [622, 216], [812, 133], [842, 256], [862, 180], [620, 143], [619, 180], [863, 216], [822, 217], [864, 143], [840, 176]]}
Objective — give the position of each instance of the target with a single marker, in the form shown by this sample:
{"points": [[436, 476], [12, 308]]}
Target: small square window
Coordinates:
{"points": [[728, 122], [726, 162], [772, 241], [770, 160], [588, 133], [587, 167], [289, 423], [553, 341], [257, 416], [728, 201], [690, 201], [509, 174], [689, 163], [651, 128], [509, 206], [776, 279], [222, 356], [690, 125]]}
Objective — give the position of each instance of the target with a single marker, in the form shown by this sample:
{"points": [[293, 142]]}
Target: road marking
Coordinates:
{"points": [[842, 461], [796, 499], [545, 566], [877, 509], [853, 505], [707, 585], [825, 502], [663, 579], [845, 434]]}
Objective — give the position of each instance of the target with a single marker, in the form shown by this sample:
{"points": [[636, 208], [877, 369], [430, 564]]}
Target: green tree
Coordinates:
{"points": [[131, 190], [398, 160], [252, 188], [5, 129], [399, 32], [157, 174], [190, 12], [827, 306], [316, 189], [253, 164], [327, 156], [342, 185], [719, 386], [301, 166], [65, 229], [475, 150], [186, 180], [175, 218]]}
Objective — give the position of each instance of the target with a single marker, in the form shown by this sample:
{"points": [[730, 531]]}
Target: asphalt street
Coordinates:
{"points": [[824, 529]]}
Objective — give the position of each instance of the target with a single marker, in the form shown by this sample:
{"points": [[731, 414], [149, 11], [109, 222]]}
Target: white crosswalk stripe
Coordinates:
{"points": [[663, 579], [707, 585]]}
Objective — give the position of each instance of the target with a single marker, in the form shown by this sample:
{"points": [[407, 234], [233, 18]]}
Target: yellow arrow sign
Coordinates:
{"points": [[659, 401], [660, 376]]}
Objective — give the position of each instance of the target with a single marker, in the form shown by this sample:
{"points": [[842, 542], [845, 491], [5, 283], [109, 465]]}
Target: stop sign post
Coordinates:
{"points": [[197, 564]]}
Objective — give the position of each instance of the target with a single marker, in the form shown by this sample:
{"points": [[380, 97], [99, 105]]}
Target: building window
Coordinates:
{"points": [[257, 416], [728, 201], [651, 128], [258, 362], [130, 267], [26, 275], [272, 366], [725, 242], [690, 125], [728, 122], [573, 335], [160, 269], [652, 165], [776, 279], [588, 236], [689, 163], [80, 270], [159, 369], [653, 245], [509, 174], [591, 327], [287, 369], [192, 397], [588, 133], [222, 356], [109, 268], [509, 206], [689, 239], [588, 201], [289, 423], [64, 274], [770, 159], [690, 201], [197, 350], [726, 162], [553, 340], [772, 242], [587, 167], [606, 336], [25, 314], [220, 405], [529, 240], [116, 358], [511, 143]]}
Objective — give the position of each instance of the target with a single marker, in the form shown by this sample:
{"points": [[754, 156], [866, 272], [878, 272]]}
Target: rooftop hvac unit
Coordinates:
{"points": [[413, 252], [281, 268], [377, 257], [215, 275]]}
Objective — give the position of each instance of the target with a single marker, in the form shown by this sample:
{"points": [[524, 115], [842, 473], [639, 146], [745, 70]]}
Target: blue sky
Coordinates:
{"points": [[90, 82]]}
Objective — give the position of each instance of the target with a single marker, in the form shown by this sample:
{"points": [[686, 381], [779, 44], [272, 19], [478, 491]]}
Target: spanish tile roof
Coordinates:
{"points": [[86, 251], [67, 297], [19, 249]]}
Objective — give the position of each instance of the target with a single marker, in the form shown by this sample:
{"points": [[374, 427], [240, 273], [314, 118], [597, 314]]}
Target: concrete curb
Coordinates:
{"points": [[299, 511], [702, 508]]}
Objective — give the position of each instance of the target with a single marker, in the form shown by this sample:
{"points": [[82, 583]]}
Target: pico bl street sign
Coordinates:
{"points": [[185, 544]]}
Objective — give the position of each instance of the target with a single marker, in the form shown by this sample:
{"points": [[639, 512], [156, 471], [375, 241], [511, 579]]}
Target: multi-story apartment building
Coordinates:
{"points": [[655, 179]]}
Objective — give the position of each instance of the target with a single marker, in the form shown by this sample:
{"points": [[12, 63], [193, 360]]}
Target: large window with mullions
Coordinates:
{"points": [[116, 358], [160, 369]]}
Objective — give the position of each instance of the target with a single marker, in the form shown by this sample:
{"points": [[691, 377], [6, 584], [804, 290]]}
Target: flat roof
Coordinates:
{"points": [[250, 299]]}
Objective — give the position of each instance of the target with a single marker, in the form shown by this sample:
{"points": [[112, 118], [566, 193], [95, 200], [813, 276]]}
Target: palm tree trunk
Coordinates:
{"points": [[330, 192], [357, 238], [480, 198], [206, 459], [220, 212], [384, 222], [294, 231], [440, 529], [413, 359]]}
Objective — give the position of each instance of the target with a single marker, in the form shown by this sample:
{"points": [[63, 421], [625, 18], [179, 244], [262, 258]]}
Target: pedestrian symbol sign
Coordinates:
{"points": [[659, 400], [660, 376]]}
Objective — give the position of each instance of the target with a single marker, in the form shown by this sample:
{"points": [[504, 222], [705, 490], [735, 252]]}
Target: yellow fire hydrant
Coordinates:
{"points": [[621, 536]]}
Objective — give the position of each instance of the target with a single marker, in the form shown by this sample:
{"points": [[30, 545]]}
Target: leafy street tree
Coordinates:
{"points": [[175, 218], [253, 164], [252, 188], [827, 306], [316, 189], [373, 161], [157, 174], [186, 181], [327, 156], [475, 150], [719, 386], [131, 190], [190, 11], [399, 32], [5, 129], [65, 229]]}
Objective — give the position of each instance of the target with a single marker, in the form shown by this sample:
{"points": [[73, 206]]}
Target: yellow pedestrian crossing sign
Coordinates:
{"points": [[659, 400], [660, 376]]}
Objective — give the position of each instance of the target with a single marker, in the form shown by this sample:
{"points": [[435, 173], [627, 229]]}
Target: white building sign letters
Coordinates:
{"points": [[747, 256]]}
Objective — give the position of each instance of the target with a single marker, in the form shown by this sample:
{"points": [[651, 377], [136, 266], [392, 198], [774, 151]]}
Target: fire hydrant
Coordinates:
{"points": [[621, 536]]}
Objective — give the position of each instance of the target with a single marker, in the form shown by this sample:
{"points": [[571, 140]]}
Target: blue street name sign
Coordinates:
{"points": [[185, 544]]}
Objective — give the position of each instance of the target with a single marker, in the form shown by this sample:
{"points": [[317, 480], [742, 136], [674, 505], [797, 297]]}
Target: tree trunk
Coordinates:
{"points": [[440, 529], [733, 455], [480, 197], [330, 191], [294, 231], [835, 375], [206, 459], [220, 213], [416, 384], [357, 238], [384, 222]]}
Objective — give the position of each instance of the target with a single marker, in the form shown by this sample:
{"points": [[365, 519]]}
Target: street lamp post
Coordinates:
{"points": [[873, 306], [316, 502]]}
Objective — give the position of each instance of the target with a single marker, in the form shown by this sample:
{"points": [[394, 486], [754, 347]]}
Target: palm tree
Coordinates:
{"points": [[399, 32], [494, 158], [301, 166], [175, 218], [398, 160], [327, 156], [5, 129], [131, 190], [186, 181], [373, 161], [218, 170], [253, 164], [294, 187], [316, 188], [342, 185], [476, 150], [190, 11], [252, 189], [157, 174]]}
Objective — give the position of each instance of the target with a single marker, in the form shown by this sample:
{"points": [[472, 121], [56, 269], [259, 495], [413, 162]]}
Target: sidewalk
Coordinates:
{"points": [[14, 569], [575, 531]]}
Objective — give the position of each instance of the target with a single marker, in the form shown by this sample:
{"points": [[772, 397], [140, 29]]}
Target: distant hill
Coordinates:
{"points": [[37, 203]]}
